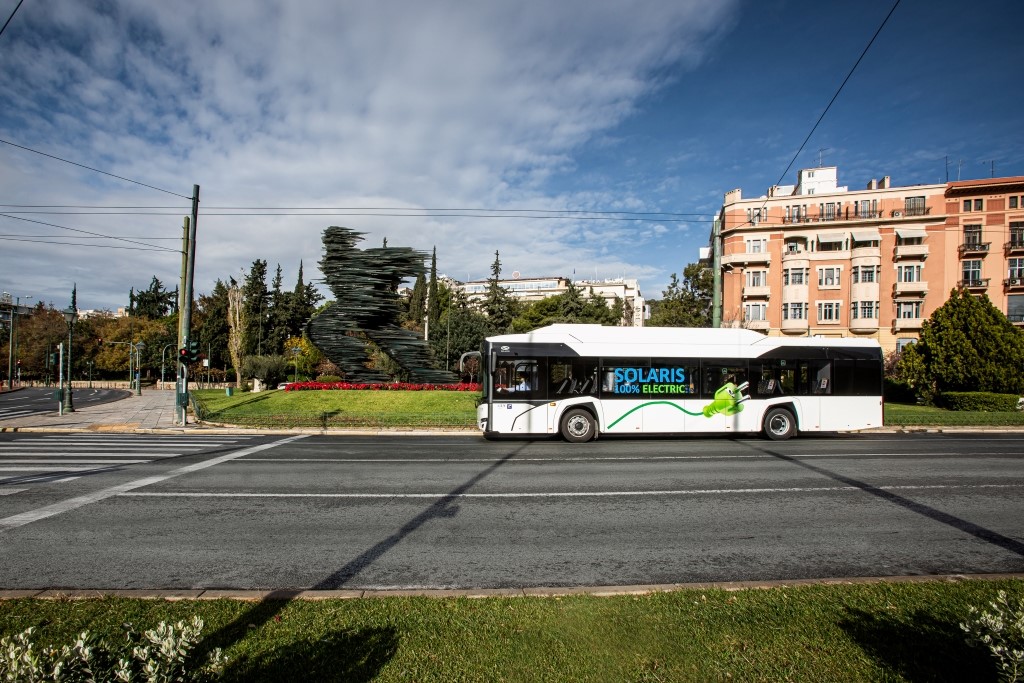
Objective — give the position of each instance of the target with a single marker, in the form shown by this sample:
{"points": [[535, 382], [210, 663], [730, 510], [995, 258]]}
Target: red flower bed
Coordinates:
{"points": [[393, 386]]}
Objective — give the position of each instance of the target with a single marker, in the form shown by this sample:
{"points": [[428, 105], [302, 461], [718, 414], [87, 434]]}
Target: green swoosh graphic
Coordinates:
{"points": [[652, 403]]}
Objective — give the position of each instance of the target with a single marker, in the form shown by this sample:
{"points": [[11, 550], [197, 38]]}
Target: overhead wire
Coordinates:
{"points": [[96, 170], [13, 12], [153, 247]]}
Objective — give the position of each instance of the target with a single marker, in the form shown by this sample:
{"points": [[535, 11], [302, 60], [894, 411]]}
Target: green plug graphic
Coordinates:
{"points": [[728, 400]]}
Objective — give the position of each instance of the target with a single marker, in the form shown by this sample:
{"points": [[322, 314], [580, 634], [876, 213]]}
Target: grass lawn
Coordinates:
{"points": [[899, 414], [340, 408], [892, 632]]}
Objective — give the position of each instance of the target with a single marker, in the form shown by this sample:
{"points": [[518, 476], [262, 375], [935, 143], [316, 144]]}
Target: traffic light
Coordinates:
{"points": [[52, 360], [183, 355], [193, 350]]}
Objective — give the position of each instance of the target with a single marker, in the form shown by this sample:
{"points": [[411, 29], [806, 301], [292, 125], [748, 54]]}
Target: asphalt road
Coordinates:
{"points": [[38, 400], [312, 512]]}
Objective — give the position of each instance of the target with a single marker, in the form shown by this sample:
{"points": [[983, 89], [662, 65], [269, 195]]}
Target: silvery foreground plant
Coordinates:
{"points": [[160, 655], [1001, 630]]}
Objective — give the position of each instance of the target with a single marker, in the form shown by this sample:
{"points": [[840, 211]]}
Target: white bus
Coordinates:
{"points": [[582, 381]]}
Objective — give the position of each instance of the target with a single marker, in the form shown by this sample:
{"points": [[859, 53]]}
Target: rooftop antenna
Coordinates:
{"points": [[993, 162], [820, 151], [959, 165]]}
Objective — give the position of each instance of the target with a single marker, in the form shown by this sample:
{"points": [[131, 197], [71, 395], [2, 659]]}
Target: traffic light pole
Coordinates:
{"points": [[186, 305]]}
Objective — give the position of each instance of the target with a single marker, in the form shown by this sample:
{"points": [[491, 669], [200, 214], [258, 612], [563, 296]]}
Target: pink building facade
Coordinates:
{"points": [[817, 259]]}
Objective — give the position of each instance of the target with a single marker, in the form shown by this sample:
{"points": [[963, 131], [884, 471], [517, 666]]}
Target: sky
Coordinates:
{"points": [[586, 138]]}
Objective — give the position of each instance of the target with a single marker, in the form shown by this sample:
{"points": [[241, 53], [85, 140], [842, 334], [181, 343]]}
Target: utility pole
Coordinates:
{"points": [[185, 310], [716, 266]]}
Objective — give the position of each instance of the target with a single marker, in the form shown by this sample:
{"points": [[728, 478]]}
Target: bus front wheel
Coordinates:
{"points": [[779, 424], [578, 426]]}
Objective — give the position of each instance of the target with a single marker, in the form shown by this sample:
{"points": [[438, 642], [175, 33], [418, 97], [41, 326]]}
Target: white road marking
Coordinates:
{"points": [[10, 492], [568, 494], [44, 512], [69, 461], [597, 459]]}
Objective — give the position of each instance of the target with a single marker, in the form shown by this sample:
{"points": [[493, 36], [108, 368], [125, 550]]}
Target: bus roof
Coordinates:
{"points": [[599, 340]]}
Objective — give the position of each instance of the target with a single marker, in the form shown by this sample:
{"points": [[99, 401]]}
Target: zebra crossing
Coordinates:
{"points": [[53, 458]]}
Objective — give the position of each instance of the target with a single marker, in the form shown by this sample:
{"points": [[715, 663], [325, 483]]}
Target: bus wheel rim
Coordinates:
{"points": [[578, 425], [779, 424]]}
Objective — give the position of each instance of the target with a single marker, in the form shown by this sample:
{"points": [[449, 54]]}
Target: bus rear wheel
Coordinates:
{"points": [[779, 424], [578, 426]]}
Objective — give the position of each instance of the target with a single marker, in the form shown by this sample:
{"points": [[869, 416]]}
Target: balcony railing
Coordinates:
{"points": [[974, 247], [908, 323], [910, 288], [1013, 282], [1016, 244], [1016, 318], [757, 291], [910, 251], [975, 283], [911, 212]]}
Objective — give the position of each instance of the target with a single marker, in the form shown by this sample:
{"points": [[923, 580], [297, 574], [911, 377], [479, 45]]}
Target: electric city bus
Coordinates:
{"points": [[582, 381]]}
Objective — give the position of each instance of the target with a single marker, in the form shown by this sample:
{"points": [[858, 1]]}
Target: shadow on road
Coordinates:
{"points": [[980, 532], [444, 507]]}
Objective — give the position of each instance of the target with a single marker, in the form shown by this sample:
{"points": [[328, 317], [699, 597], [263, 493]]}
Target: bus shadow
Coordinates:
{"points": [[269, 608], [1005, 542]]}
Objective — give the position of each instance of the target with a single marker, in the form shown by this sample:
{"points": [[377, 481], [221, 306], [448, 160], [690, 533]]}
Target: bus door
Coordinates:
{"points": [[520, 404], [725, 391]]}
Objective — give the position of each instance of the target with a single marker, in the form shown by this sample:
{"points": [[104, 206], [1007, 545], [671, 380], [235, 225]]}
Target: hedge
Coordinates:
{"points": [[978, 400]]}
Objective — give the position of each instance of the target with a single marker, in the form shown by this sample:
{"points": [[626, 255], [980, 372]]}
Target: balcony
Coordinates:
{"points": [[974, 248], [910, 288], [907, 324], [757, 292], [1013, 283], [757, 325], [746, 257], [795, 326], [1015, 245], [974, 283], [1016, 318], [903, 251], [862, 325], [912, 212]]}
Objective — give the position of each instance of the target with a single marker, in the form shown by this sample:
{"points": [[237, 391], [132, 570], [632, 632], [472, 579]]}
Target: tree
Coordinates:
{"points": [[500, 306], [255, 299], [302, 305], [155, 302], [460, 328], [236, 329], [277, 315], [433, 304], [969, 345], [686, 303], [568, 307], [211, 322], [417, 304]]}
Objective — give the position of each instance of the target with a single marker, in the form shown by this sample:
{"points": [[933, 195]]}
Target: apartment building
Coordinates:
{"points": [[535, 289], [819, 259]]}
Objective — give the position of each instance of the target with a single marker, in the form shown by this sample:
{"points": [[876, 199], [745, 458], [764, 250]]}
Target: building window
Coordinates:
{"points": [[864, 309], [972, 271], [828, 311], [908, 273], [908, 241], [908, 310], [755, 311], [972, 235], [756, 246], [1014, 202], [1016, 268], [830, 211], [977, 205], [1015, 308], [829, 277], [794, 311], [756, 278], [865, 274], [1017, 234], [903, 342], [913, 206]]}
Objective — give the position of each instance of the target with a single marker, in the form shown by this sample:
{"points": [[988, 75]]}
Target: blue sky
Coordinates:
{"points": [[648, 106]]}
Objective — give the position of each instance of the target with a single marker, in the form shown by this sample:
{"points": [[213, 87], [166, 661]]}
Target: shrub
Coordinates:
{"points": [[978, 400], [1002, 632], [159, 655], [328, 378]]}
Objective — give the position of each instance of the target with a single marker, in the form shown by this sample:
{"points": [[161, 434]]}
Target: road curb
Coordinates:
{"points": [[539, 592]]}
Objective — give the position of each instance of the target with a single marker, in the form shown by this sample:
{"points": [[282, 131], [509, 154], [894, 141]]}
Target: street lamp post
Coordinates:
{"points": [[162, 361], [295, 362], [70, 316], [90, 373], [138, 367]]}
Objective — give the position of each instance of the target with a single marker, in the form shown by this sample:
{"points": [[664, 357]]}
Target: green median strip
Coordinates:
{"points": [[863, 632]]}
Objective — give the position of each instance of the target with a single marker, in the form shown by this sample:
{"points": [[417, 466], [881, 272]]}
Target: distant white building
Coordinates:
{"points": [[535, 289]]}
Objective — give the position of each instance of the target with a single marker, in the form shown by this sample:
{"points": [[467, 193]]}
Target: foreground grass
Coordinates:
{"points": [[899, 414], [340, 408], [893, 632]]}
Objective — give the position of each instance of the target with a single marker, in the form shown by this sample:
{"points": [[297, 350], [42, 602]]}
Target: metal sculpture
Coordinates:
{"points": [[366, 309]]}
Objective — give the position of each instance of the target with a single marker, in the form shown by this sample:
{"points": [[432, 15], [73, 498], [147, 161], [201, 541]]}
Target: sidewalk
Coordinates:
{"points": [[153, 410]]}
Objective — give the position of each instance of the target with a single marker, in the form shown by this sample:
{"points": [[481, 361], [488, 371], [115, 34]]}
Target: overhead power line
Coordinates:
{"points": [[154, 247], [80, 244], [6, 23], [95, 170]]}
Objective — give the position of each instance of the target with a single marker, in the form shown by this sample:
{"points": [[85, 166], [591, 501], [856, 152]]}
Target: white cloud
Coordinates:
{"points": [[440, 104]]}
